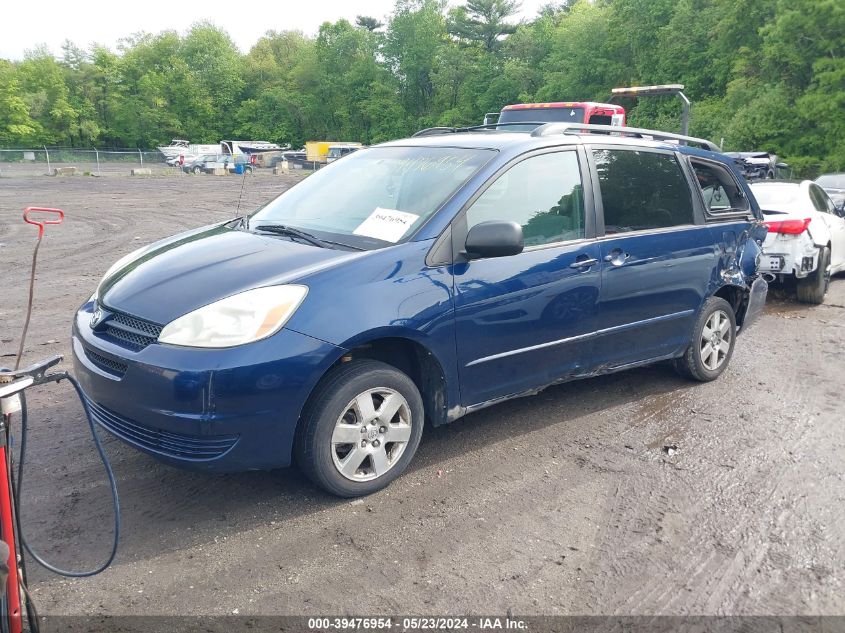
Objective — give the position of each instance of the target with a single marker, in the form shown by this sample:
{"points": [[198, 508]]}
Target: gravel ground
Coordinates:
{"points": [[569, 502]]}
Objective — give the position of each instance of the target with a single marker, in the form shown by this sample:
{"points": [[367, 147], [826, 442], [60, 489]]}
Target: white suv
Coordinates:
{"points": [[806, 236]]}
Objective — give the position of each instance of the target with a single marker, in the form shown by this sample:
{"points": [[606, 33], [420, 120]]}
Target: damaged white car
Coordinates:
{"points": [[806, 236]]}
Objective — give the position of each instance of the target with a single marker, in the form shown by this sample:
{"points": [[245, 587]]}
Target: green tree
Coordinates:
{"points": [[483, 21], [16, 126], [415, 34], [369, 23], [586, 59], [47, 96]]}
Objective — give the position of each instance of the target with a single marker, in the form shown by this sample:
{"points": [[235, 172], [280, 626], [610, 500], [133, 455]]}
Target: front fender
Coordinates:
{"points": [[437, 364]]}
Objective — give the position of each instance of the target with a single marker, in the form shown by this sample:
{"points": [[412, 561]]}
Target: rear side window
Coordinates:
{"points": [[719, 189], [820, 200], [642, 190]]}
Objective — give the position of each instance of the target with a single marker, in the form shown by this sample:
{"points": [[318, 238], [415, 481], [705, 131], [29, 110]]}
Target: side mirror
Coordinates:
{"points": [[493, 239]]}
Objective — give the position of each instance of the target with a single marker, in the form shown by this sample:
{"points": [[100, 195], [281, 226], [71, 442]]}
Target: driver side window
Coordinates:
{"points": [[543, 194]]}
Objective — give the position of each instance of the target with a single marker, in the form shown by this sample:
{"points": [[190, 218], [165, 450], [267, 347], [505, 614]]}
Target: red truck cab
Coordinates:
{"points": [[563, 112]]}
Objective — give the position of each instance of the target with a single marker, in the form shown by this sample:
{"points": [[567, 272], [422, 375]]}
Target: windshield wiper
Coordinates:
{"points": [[281, 229]]}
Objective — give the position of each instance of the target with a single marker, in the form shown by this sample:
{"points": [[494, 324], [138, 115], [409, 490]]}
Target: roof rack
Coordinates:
{"points": [[432, 131], [575, 128]]}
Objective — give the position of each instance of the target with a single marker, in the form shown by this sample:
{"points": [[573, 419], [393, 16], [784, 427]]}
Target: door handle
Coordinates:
{"points": [[616, 257], [584, 263]]}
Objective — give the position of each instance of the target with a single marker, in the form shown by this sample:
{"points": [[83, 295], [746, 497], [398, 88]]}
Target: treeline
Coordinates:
{"points": [[762, 75]]}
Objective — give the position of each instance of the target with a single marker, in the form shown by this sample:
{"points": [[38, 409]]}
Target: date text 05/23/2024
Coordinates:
{"points": [[417, 624]]}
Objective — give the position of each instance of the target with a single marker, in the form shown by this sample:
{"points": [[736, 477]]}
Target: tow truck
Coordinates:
{"points": [[590, 112], [559, 112]]}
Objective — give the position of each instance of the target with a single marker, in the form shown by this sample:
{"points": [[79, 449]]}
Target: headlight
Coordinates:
{"points": [[241, 318]]}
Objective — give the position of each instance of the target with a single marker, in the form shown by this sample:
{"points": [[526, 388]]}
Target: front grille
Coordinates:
{"points": [[175, 445], [130, 331], [109, 365]]}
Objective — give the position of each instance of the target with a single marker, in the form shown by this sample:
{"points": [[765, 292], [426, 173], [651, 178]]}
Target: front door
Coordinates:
{"points": [[526, 320], [835, 225]]}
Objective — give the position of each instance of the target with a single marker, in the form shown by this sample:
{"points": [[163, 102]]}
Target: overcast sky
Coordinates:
{"points": [[25, 25]]}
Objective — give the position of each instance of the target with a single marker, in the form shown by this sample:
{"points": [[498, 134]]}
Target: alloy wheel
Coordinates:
{"points": [[371, 434], [715, 340]]}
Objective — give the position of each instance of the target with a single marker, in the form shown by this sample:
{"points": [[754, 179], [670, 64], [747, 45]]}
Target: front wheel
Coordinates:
{"points": [[712, 343], [360, 428], [197, 169]]}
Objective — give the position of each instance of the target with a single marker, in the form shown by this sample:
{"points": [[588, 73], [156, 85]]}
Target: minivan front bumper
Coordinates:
{"points": [[206, 409]]}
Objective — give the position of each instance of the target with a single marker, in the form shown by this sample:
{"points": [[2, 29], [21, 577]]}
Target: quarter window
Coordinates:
{"points": [[718, 188], [642, 190], [543, 194]]}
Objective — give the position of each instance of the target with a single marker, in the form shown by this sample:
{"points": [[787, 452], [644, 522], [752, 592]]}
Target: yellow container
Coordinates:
{"points": [[317, 151]]}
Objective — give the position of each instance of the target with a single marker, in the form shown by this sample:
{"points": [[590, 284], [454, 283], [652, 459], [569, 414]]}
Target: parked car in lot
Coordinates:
{"points": [[834, 185], [207, 163], [197, 164], [295, 159], [339, 151], [806, 238], [424, 278]]}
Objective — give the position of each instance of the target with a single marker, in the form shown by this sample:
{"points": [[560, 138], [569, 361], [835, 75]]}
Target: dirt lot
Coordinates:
{"points": [[565, 503]]}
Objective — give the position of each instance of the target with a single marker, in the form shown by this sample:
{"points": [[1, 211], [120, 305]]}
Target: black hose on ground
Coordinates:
{"points": [[17, 487]]}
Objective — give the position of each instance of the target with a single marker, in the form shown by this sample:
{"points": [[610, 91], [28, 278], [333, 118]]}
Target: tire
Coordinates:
{"points": [[709, 353], [197, 169], [338, 410], [813, 288]]}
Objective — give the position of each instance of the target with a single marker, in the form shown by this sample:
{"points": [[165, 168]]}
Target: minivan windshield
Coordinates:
{"points": [[374, 197]]}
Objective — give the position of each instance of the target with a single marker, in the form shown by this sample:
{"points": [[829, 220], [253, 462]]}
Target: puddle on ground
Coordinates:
{"points": [[657, 404], [671, 438]]}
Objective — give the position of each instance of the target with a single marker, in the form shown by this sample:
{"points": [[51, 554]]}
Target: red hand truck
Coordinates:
{"points": [[13, 383]]}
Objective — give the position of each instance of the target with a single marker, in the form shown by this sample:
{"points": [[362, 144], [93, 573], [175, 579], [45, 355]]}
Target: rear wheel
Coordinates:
{"points": [[712, 344], [360, 429], [813, 288]]}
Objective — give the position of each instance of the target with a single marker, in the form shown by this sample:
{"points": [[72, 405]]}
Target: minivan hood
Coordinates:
{"points": [[185, 272]]}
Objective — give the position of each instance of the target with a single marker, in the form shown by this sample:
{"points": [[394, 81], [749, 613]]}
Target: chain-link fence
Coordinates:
{"points": [[91, 162], [97, 162]]}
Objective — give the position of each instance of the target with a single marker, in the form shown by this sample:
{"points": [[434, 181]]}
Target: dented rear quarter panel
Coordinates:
{"points": [[739, 240]]}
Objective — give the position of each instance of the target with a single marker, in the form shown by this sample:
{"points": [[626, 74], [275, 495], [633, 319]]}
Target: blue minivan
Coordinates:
{"points": [[421, 279]]}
